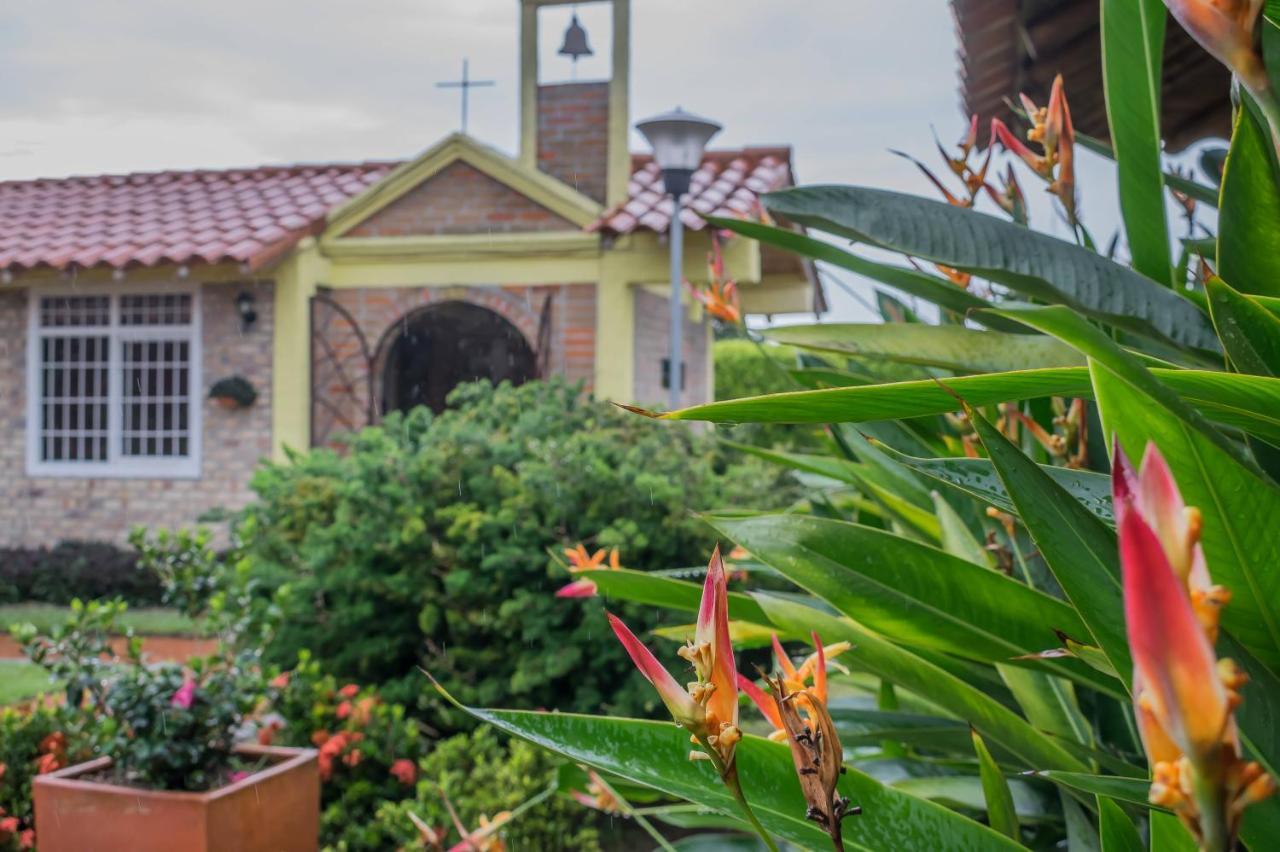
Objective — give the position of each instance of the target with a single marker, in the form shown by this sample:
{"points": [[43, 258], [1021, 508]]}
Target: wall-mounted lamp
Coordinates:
{"points": [[248, 316]]}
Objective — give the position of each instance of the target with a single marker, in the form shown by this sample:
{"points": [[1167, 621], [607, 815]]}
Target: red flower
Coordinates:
{"points": [[55, 743], [47, 763], [8, 826], [364, 711], [267, 733], [3, 768], [352, 757], [404, 771], [344, 710], [349, 691], [319, 738], [27, 839], [280, 681]]}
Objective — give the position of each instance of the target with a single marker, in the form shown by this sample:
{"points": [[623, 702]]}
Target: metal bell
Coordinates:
{"points": [[575, 41]]}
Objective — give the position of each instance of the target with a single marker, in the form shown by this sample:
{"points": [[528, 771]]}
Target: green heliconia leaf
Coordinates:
{"points": [[858, 727], [1049, 703], [965, 792], [645, 587], [1079, 549], [1251, 403], [655, 754], [719, 843], [1249, 332], [1029, 262], [912, 592], [885, 659], [1249, 214], [1118, 832], [956, 537], [931, 288], [1257, 713], [1132, 56], [1130, 790], [1239, 503], [951, 347], [1168, 834], [995, 791], [979, 478]]}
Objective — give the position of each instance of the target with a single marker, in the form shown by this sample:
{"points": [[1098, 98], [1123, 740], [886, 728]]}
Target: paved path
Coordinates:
{"points": [[159, 648]]}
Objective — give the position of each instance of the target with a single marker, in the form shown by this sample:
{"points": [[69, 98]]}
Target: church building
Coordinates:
{"points": [[161, 333]]}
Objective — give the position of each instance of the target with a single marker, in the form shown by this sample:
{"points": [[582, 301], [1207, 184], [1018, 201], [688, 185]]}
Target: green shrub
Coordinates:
{"points": [[484, 775], [75, 569], [33, 740], [426, 543], [369, 748]]}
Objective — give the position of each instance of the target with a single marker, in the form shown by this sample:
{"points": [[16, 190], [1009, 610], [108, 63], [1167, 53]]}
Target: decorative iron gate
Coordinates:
{"points": [[342, 380]]}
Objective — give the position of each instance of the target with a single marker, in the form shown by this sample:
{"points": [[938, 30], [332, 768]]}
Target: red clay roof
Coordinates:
{"points": [[248, 216], [253, 216], [729, 183]]}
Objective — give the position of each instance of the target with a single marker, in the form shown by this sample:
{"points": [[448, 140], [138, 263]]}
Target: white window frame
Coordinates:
{"points": [[116, 465]]}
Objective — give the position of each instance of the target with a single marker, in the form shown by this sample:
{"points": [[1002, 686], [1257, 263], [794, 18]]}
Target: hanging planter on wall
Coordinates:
{"points": [[233, 392]]}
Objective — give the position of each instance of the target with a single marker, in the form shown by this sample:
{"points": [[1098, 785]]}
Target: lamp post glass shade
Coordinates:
{"points": [[679, 140]]}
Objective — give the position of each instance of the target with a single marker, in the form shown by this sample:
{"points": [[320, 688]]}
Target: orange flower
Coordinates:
{"points": [[319, 738], [1053, 131], [405, 771], [795, 679], [267, 733], [352, 758], [720, 297], [280, 681], [1183, 696], [363, 711], [47, 763], [580, 561], [343, 710], [709, 707], [597, 796]]}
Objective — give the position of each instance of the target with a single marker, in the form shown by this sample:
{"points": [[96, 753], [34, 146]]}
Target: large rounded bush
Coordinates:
{"points": [[425, 543]]}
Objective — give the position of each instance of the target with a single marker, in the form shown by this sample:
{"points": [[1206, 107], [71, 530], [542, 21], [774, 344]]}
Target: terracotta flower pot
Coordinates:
{"points": [[274, 810]]}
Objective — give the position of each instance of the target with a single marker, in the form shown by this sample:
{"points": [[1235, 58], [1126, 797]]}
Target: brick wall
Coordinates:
{"points": [[45, 510], [460, 199], [652, 343], [573, 135], [377, 310]]}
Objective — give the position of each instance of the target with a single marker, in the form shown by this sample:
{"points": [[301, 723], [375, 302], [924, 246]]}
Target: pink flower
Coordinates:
{"points": [[577, 589], [404, 771], [239, 775], [185, 695]]}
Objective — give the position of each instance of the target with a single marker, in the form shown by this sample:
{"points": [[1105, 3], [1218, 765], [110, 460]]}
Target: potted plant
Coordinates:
{"points": [[172, 771], [233, 392]]}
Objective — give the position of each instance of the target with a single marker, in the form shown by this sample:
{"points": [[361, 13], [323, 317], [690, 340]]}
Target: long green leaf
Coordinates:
{"points": [[965, 792], [952, 347], [655, 754], [1168, 834], [1116, 829], [995, 791], [979, 478], [1251, 403], [1029, 262], [1132, 56], [877, 655], [911, 592], [1249, 332], [931, 288], [1249, 216], [859, 727], [1079, 549]]}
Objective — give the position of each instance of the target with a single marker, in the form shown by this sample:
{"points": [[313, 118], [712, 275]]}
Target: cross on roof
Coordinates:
{"points": [[466, 84]]}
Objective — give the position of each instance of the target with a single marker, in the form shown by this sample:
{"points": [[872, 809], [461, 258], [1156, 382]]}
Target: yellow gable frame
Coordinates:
{"points": [[537, 186]]}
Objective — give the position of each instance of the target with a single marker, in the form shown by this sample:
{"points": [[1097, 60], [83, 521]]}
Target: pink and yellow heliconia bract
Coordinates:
{"points": [[708, 707], [1183, 695], [1226, 28]]}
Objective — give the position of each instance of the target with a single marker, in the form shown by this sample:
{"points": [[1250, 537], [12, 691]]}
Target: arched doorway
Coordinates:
{"points": [[433, 350]]}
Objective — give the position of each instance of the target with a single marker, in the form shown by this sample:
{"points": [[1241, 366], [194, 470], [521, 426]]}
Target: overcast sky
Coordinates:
{"points": [[92, 86]]}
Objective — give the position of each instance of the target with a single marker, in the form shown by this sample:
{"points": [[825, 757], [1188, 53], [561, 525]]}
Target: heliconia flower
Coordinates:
{"points": [[1001, 131], [580, 560], [1183, 695], [720, 299], [484, 838], [577, 589], [597, 796], [184, 696], [796, 680], [1010, 198], [1226, 28], [687, 712]]}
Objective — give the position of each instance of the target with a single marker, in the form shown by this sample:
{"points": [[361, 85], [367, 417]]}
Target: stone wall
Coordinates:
{"points": [[38, 511], [376, 310], [573, 135], [652, 343], [460, 199]]}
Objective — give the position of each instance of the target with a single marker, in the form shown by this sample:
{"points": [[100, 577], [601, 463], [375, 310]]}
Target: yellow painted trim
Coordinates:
{"points": [[427, 249], [447, 272], [619, 151], [291, 348], [615, 332], [779, 294], [558, 197]]}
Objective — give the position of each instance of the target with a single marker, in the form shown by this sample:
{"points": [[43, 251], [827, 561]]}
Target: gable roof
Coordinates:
{"points": [[253, 216], [728, 183], [249, 216]]}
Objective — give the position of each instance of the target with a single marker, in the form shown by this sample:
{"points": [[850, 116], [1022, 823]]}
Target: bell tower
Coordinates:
{"points": [[578, 131]]}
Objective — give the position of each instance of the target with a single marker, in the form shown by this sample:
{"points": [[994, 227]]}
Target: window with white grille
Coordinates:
{"points": [[112, 385]]}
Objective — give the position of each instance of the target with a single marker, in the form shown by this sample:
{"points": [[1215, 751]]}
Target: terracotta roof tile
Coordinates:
{"points": [[729, 183], [251, 216]]}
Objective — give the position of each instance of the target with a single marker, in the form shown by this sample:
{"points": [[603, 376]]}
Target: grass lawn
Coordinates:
{"points": [[145, 621], [20, 679]]}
